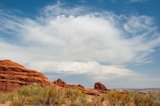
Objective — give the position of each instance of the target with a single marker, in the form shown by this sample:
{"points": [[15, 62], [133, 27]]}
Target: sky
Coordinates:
{"points": [[116, 42]]}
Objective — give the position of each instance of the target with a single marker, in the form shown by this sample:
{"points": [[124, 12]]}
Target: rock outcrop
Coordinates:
{"points": [[64, 85], [14, 75], [100, 86], [61, 83]]}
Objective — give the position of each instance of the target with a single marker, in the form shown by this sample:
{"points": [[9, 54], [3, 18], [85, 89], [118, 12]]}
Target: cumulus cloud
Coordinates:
{"points": [[77, 40]]}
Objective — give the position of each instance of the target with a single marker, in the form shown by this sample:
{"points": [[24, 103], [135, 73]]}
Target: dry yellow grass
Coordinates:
{"points": [[35, 95]]}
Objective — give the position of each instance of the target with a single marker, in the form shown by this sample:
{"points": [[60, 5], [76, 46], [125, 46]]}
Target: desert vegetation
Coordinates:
{"points": [[36, 95]]}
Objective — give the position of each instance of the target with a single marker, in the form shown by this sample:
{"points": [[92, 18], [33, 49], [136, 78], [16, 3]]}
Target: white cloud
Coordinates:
{"points": [[67, 35], [75, 40], [81, 68], [94, 70], [138, 24]]}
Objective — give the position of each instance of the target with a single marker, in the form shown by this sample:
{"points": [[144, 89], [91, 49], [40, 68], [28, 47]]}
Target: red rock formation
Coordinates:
{"points": [[9, 63], [13, 76], [100, 86], [64, 85], [60, 83]]}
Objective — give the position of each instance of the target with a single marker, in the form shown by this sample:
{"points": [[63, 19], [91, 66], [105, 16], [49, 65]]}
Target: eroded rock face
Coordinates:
{"points": [[100, 86], [14, 75]]}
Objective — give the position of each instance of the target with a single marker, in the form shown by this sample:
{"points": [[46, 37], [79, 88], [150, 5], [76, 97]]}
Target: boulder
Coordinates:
{"points": [[100, 86]]}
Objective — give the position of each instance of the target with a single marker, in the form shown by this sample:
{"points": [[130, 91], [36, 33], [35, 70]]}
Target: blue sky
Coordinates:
{"points": [[84, 41]]}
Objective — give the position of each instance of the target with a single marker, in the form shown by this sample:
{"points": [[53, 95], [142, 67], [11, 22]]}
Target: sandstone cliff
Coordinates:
{"points": [[14, 75]]}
